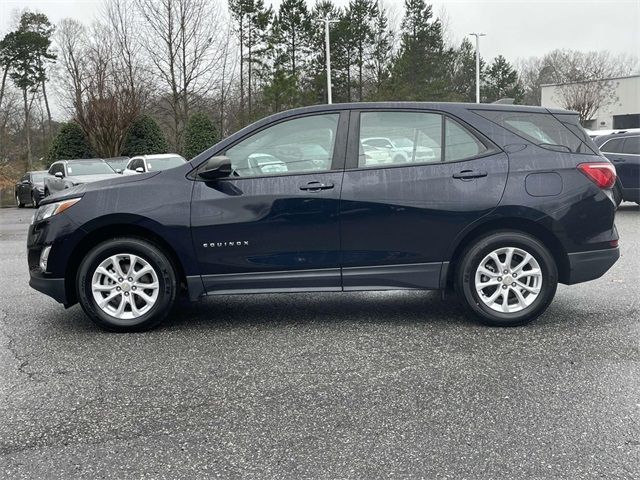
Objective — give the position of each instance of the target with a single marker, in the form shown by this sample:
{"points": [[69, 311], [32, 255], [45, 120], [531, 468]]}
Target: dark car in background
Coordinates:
{"points": [[623, 149], [497, 213], [30, 189], [65, 174], [117, 163]]}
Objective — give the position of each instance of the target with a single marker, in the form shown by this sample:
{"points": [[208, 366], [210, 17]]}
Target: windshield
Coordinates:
{"points": [[164, 163], [88, 167], [120, 163]]}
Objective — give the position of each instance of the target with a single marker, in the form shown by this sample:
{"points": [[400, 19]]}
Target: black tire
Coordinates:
{"points": [[154, 257], [474, 255], [19, 202], [34, 200], [46, 192], [617, 194]]}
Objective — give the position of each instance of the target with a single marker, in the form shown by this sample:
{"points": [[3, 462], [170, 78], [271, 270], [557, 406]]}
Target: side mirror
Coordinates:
{"points": [[216, 167], [118, 170], [24, 182], [140, 170], [59, 175]]}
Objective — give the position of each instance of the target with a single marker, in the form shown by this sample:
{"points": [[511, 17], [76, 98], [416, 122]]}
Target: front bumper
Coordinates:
{"points": [[53, 287], [585, 266]]}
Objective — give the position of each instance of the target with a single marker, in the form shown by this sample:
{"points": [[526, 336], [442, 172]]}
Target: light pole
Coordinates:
{"points": [[327, 46], [478, 35]]}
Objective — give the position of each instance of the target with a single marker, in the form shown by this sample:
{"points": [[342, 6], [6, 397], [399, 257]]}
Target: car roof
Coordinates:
{"points": [[426, 105], [159, 155], [600, 139]]}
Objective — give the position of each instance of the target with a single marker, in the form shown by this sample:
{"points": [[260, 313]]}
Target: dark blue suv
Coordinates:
{"points": [[497, 202]]}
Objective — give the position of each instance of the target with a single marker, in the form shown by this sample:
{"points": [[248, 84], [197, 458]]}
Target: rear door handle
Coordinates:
{"points": [[469, 174], [316, 186], [618, 160]]}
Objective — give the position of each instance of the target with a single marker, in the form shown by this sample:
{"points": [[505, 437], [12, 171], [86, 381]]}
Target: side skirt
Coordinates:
{"points": [[415, 276]]}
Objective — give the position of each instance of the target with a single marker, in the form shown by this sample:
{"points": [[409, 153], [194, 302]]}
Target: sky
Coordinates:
{"points": [[514, 28]]}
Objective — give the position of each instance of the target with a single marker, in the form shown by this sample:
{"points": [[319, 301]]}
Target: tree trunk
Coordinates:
{"points": [[27, 128], [46, 104], [4, 83]]}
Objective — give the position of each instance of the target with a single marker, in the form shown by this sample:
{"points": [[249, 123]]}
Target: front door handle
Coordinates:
{"points": [[316, 186], [469, 174], [618, 160]]}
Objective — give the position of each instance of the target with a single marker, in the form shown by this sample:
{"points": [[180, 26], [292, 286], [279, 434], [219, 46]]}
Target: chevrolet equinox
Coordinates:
{"points": [[498, 202]]}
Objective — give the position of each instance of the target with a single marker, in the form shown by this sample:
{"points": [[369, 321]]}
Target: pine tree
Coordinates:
{"points": [[70, 143], [144, 138], [502, 82], [252, 20], [29, 49], [463, 73], [361, 15], [316, 83], [420, 70], [290, 51], [381, 54], [199, 135]]}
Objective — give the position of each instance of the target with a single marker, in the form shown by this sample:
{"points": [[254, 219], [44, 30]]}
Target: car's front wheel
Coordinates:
{"points": [[18, 201], [507, 278], [126, 284], [34, 200]]}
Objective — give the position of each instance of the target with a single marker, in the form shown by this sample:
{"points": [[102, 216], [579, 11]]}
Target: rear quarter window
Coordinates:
{"points": [[632, 146], [612, 146], [562, 133]]}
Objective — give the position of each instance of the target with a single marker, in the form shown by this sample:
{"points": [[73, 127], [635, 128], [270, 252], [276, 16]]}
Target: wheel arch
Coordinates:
{"points": [[525, 225], [116, 230]]}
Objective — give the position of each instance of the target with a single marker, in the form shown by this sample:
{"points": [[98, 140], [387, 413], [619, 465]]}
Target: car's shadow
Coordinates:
{"points": [[629, 207], [393, 307]]}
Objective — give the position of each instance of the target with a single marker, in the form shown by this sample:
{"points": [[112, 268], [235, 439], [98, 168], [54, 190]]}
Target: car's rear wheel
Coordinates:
{"points": [[126, 284], [18, 201], [507, 278], [34, 200]]}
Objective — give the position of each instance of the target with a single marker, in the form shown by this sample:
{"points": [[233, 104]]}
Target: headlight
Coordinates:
{"points": [[52, 209]]}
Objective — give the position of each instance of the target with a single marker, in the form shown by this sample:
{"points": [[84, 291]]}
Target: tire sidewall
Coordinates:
{"points": [[476, 253], [155, 257]]}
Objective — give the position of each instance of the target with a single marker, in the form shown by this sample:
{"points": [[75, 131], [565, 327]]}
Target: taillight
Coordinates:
{"points": [[602, 174]]}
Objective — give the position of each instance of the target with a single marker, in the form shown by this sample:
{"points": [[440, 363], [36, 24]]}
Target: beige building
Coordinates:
{"points": [[624, 112]]}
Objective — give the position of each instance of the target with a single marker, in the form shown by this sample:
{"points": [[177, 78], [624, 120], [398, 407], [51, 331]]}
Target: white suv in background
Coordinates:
{"points": [[153, 163]]}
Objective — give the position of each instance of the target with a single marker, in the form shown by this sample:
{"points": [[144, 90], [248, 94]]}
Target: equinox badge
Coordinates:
{"points": [[244, 243]]}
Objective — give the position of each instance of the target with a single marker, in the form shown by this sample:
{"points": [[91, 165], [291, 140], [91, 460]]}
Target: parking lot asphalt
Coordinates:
{"points": [[366, 385]]}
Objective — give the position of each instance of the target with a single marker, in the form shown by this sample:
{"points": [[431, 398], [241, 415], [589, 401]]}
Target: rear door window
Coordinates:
{"points": [[396, 138], [542, 129], [632, 146]]}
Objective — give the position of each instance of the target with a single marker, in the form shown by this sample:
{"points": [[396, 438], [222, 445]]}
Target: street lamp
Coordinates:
{"points": [[478, 35], [327, 47]]}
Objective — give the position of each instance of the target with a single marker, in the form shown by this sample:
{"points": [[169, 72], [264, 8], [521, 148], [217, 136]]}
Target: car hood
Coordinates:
{"points": [[110, 181], [92, 178]]}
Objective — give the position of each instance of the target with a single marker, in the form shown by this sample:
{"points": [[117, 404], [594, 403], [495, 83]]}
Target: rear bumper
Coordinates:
{"points": [[53, 287], [585, 266]]}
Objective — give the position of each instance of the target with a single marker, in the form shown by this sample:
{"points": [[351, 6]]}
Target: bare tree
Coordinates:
{"points": [[103, 95], [185, 52], [585, 80]]}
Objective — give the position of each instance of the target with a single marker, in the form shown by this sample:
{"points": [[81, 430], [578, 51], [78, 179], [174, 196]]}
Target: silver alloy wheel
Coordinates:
{"points": [[17, 199], [125, 286], [508, 280]]}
